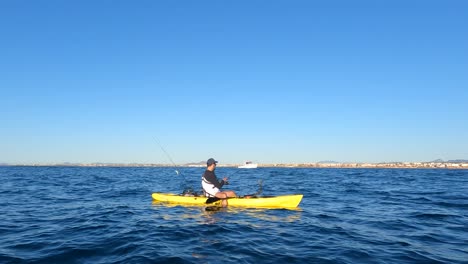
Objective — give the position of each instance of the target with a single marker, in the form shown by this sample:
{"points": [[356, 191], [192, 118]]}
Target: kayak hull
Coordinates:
{"points": [[282, 201]]}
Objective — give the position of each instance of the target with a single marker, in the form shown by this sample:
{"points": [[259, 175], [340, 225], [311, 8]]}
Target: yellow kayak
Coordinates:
{"points": [[282, 201]]}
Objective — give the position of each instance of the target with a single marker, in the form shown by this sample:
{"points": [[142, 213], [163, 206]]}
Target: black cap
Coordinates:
{"points": [[211, 161]]}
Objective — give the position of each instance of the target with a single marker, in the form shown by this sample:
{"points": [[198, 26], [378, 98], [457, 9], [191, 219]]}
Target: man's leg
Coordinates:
{"points": [[223, 196], [230, 193]]}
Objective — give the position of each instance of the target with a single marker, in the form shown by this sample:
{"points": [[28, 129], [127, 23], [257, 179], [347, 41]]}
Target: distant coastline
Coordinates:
{"points": [[462, 164]]}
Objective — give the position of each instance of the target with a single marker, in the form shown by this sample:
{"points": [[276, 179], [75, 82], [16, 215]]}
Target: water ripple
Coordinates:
{"points": [[105, 215]]}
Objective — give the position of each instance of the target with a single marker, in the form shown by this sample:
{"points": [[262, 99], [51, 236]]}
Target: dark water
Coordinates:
{"points": [[105, 215]]}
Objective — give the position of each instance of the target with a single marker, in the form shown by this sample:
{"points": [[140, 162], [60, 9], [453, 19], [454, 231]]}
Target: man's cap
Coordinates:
{"points": [[211, 161]]}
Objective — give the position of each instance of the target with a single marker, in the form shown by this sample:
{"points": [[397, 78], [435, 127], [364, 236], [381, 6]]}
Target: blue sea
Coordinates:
{"points": [[106, 215]]}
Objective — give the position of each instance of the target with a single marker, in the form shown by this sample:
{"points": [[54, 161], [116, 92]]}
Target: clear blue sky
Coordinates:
{"points": [[269, 81]]}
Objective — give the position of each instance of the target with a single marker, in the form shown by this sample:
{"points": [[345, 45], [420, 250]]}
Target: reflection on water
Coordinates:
{"points": [[188, 215]]}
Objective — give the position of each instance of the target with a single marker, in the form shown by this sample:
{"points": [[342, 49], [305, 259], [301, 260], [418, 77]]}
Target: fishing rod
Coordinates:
{"points": [[260, 190], [260, 185], [186, 186], [211, 200], [169, 156]]}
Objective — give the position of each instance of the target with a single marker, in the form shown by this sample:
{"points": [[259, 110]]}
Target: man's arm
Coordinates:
{"points": [[212, 178]]}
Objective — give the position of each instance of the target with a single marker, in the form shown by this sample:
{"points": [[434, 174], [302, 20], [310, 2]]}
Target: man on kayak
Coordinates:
{"points": [[212, 187]]}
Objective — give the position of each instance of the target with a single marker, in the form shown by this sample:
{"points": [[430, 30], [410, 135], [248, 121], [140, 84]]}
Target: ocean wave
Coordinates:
{"points": [[105, 215]]}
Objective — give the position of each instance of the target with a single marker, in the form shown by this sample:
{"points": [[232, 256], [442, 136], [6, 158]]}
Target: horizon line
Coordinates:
{"points": [[221, 165]]}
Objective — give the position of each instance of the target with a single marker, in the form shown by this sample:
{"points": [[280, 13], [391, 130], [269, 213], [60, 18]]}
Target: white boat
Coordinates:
{"points": [[248, 165]]}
